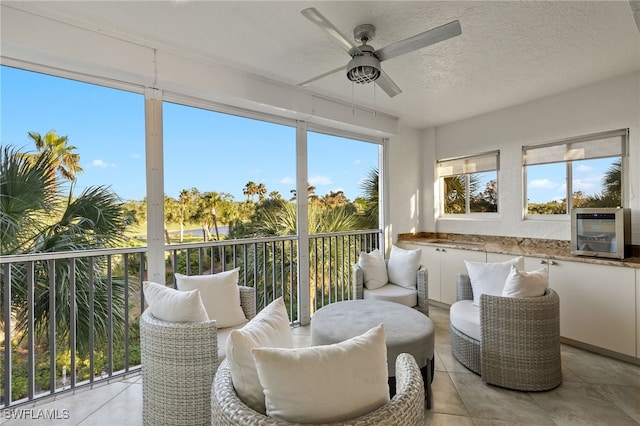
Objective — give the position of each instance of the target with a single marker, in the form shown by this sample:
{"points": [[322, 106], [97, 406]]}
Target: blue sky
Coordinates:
{"points": [[203, 149]]}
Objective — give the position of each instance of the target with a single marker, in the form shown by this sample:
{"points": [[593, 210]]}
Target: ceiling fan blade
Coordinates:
{"points": [[386, 84], [418, 41], [317, 18], [321, 76]]}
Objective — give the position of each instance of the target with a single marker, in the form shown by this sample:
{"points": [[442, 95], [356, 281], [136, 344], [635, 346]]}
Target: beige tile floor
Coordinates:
{"points": [[596, 391]]}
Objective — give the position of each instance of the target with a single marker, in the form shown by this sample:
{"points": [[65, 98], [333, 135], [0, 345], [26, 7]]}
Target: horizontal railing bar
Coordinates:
{"points": [[33, 257]]}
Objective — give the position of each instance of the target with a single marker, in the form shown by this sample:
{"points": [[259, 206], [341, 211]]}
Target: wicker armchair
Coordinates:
{"points": [[422, 278], [179, 361], [406, 408], [520, 345]]}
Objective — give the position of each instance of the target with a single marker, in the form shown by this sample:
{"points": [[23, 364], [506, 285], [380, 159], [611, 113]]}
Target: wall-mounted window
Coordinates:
{"points": [[469, 184], [585, 171]]}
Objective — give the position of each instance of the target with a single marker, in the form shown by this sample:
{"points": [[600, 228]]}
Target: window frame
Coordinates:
{"points": [[571, 155], [467, 165]]}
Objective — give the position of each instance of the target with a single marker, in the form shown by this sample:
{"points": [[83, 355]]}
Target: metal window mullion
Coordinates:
{"points": [[467, 193], [569, 204]]}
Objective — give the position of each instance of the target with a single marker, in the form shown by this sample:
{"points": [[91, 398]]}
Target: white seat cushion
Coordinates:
{"points": [[393, 293], [223, 337], [465, 317]]}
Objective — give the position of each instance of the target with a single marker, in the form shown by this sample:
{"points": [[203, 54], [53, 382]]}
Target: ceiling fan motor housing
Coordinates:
{"points": [[364, 68]]}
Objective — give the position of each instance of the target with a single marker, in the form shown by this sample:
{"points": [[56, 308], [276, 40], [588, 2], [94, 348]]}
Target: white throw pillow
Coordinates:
{"points": [[270, 328], [489, 278], [171, 305], [220, 295], [526, 284], [325, 384], [374, 269], [403, 267]]}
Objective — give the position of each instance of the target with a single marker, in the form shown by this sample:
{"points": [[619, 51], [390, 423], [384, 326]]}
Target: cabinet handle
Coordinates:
{"points": [[437, 249], [443, 250], [553, 262], [543, 262]]}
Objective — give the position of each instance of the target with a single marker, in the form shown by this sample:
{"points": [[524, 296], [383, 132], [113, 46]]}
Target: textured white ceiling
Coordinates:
{"points": [[509, 52]]}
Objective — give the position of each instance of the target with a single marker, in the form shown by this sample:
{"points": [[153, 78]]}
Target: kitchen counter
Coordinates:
{"points": [[552, 249]]}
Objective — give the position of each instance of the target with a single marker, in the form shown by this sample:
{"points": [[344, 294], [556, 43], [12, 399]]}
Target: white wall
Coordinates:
{"points": [[609, 105], [404, 184]]}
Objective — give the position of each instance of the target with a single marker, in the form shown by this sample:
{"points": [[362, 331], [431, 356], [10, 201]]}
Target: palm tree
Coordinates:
{"points": [[65, 162], [369, 186], [36, 218]]}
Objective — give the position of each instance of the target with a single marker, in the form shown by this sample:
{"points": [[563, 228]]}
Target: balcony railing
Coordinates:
{"points": [[70, 319]]}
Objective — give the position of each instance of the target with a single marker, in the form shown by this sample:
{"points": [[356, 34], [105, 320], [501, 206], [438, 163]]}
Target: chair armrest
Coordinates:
{"points": [[358, 282], [464, 291], [422, 280], [248, 301]]}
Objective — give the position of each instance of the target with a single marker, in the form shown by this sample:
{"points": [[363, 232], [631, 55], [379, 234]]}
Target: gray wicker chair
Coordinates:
{"points": [[179, 361], [406, 408], [520, 345], [422, 278]]}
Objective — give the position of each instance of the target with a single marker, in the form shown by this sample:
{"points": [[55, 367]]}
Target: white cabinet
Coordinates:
{"points": [[443, 264], [530, 263], [597, 304]]}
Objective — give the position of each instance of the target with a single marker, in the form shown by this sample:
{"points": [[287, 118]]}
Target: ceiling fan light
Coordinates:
{"points": [[363, 69]]}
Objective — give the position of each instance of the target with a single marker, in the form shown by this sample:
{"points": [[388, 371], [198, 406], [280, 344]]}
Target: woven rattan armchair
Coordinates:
{"points": [[520, 345], [179, 361], [422, 287], [406, 408]]}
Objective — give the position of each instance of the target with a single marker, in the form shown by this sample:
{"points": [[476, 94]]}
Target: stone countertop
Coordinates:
{"points": [[552, 249]]}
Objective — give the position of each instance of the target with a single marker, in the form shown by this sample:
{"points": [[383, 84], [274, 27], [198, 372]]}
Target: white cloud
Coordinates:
{"points": [[287, 180], [542, 184], [99, 163], [316, 180], [357, 161], [583, 185], [583, 168], [136, 156]]}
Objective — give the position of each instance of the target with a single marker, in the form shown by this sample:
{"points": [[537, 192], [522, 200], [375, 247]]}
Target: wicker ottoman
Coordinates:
{"points": [[407, 331]]}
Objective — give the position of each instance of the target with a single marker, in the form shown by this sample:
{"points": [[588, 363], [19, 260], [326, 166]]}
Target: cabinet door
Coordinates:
{"points": [[430, 259], [530, 263], [451, 264], [597, 304]]}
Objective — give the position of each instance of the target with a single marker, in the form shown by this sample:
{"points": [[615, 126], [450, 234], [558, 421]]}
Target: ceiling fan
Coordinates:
{"points": [[364, 66]]}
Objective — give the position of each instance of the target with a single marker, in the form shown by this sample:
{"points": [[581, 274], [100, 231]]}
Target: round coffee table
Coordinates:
{"points": [[407, 331]]}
